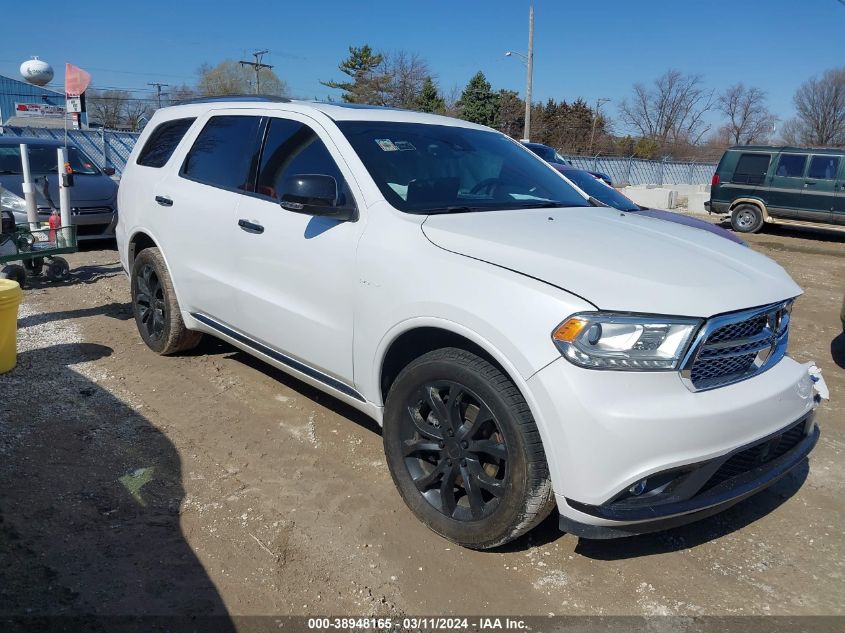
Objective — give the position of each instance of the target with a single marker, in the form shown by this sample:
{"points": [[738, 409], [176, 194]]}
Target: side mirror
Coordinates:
{"points": [[109, 171], [315, 194]]}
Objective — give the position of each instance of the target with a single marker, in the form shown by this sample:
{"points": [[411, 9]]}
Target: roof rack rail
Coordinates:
{"points": [[241, 98]]}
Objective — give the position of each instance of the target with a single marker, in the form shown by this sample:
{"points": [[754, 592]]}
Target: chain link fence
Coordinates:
{"points": [[110, 148], [107, 148], [638, 171]]}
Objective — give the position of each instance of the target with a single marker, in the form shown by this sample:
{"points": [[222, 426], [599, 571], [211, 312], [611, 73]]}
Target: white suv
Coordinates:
{"points": [[520, 347]]}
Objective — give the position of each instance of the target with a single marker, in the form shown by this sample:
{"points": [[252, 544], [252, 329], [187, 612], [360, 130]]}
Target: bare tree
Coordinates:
{"points": [[671, 111], [116, 108], [749, 121], [229, 78], [405, 73], [820, 109]]}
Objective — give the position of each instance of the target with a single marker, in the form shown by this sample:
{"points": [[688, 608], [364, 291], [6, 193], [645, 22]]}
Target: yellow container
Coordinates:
{"points": [[10, 299]]}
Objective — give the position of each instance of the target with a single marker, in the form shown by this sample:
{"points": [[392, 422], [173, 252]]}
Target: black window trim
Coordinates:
{"points": [[192, 119], [252, 178]]}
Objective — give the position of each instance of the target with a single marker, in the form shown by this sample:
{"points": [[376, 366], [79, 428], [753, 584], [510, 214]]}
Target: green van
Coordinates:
{"points": [[789, 185]]}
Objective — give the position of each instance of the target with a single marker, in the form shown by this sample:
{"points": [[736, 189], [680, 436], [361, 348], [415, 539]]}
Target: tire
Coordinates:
{"points": [[15, 272], [747, 218], [58, 269], [500, 456], [155, 308]]}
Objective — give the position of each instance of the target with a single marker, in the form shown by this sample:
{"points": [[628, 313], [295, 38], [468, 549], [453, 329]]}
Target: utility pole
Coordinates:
{"points": [[599, 101], [158, 91], [527, 132], [257, 65]]}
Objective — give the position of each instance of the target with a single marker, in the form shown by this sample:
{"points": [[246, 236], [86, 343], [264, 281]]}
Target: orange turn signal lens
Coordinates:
{"points": [[569, 329]]}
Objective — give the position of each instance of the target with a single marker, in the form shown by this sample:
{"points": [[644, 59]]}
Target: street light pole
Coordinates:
{"points": [[530, 63], [599, 101]]}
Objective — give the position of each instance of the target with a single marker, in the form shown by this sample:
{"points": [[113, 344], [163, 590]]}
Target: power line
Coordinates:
{"points": [[257, 65]]}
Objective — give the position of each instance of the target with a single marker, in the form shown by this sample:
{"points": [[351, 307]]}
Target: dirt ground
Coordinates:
{"points": [[210, 483]]}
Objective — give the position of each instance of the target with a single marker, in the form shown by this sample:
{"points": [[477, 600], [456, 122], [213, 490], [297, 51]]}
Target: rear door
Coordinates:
{"points": [[820, 187], [200, 198], [748, 176]]}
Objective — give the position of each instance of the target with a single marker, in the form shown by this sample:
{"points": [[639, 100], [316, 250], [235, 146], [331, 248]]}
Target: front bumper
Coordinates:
{"points": [[702, 490], [606, 431]]}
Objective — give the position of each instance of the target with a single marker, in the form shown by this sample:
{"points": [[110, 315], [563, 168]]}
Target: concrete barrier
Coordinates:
{"points": [[696, 200], [652, 197]]}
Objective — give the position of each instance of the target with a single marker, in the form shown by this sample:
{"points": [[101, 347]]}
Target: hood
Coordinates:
{"points": [[87, 191], [618, 261], [669, 216]]}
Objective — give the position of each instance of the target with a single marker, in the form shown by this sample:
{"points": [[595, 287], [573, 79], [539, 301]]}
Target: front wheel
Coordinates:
{"points": [[747, 218], [464, 451]]}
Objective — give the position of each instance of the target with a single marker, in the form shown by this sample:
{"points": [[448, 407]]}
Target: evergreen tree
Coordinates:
{"points": [[367, 83], [429, 100], [478, 103]]}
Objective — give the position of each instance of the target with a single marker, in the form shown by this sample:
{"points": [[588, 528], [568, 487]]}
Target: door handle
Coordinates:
{"points": [[164, 201], [808, 182], [250, 227]]}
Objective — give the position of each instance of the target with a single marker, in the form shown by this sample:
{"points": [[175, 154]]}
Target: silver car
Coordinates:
{"points": [[93, 197]]}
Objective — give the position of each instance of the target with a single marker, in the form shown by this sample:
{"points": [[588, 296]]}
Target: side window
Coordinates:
{"points": [[751, 169], [292, 148], [791, 165], [162, 142], [823, 167], [225, 153]]}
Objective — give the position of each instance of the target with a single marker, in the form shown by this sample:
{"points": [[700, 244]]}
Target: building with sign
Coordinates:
{"points": [[26, 105]]}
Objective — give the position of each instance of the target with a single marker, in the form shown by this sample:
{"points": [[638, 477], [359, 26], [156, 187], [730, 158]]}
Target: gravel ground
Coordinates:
{"points": [[209, 483]]}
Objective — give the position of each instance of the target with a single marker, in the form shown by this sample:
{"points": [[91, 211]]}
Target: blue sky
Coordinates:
{"points": [[586, 49]]}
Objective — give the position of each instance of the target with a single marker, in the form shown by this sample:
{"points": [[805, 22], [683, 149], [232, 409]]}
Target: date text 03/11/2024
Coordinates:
{"points": [[415, 623]]}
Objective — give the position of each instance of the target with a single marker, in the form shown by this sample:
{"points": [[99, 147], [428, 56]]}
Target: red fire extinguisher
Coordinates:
{"points": [[55, 223]]}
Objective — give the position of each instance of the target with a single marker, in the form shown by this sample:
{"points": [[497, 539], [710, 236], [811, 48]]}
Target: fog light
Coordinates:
{"points": [[638, 488]]}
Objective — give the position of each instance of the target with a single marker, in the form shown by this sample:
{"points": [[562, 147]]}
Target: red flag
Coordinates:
{"points": [[76, 80]]}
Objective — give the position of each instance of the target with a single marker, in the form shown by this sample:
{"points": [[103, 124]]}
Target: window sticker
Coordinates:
{"points": [[386, 145], [404, 146]]}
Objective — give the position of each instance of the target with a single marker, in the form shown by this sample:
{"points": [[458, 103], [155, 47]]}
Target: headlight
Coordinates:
{"points": [[603, 340], [10, 201]]}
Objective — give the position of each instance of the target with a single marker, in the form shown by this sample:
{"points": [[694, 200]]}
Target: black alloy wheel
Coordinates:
{"points": [[455, 451]]}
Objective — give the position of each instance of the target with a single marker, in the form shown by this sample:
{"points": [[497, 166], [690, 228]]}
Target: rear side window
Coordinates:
{"points": [[293, 148], [791, 165], [225, 153], [751, 169], [823, 167], [163, 141]]}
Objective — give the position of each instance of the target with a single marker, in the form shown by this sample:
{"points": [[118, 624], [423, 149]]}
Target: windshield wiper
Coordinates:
{"points": [[453, 209]]}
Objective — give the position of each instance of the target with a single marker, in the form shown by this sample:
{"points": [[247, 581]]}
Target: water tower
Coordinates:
{"points": [[37, 72]]}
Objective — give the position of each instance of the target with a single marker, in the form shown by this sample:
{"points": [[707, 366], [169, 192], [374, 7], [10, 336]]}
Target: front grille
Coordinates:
{"points": [[736, 346], [82, 210], [757, 455]]}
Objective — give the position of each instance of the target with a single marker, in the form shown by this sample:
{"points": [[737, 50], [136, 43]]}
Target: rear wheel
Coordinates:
{"points": [[464, 451], [747, 218], [155, 307]]}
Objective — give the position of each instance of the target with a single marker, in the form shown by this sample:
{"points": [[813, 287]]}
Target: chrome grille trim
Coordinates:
{"points": [[733, 347]]}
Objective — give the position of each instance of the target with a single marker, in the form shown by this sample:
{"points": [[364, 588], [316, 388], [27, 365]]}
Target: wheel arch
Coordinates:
{"points": [[139, 241], [753, 201], [419, 337]]}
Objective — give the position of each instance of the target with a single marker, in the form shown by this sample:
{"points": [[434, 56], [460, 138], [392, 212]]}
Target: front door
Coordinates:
{"points": [[297, 271]]}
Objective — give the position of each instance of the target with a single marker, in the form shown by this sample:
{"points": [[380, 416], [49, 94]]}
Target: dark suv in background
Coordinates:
{"points": [[93, 197], [788, 185]]}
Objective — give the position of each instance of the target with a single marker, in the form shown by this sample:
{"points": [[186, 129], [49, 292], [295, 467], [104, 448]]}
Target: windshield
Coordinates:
{"points": [[43, 159], [423, 168], [602, 192]]}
